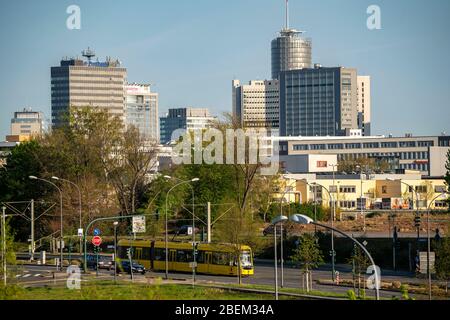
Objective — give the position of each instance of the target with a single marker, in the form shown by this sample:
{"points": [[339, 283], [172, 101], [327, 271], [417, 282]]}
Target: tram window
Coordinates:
{"points": [[220, 258], [146, 253], [122, 254], [160, 254], [200, 258]]}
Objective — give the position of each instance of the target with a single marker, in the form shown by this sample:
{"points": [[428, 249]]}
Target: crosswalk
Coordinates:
{"points": [[30, 275]]}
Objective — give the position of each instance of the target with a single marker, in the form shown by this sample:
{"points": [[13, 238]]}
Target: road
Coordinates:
{"points": [[39, 276]]}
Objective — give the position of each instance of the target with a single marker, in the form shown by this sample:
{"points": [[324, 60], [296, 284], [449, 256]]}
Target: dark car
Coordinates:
{"points": [[103, 262], [270, 230], [184, 229], [136, 267]]}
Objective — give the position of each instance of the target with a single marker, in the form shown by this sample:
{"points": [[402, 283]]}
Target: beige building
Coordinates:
{"points": [[78, 83], [390, 191], [364, 104], [27, 123], [256, 104]]}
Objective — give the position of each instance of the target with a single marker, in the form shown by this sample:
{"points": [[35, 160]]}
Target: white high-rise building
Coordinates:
{"points": [[27, 123], [364, 104], [256, 104], [141, 110]]}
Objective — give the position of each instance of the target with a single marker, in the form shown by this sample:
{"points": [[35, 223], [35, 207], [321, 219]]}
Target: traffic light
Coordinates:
{"points": [[417, 221], [129, 253], [195, 249]]}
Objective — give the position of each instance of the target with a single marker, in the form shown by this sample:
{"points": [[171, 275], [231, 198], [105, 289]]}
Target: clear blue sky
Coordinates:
{"points": [[191, 50]]}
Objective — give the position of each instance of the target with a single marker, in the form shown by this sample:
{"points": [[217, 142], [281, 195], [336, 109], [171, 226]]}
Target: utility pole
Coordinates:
{"points": [[209, 223], [32, 231], [4, 244]]}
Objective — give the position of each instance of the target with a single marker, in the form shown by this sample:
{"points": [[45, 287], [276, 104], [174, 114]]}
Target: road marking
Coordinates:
{"points": [[37, 275], [26, 275]]}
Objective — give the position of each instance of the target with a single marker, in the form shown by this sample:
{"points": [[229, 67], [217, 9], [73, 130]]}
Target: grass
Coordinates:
{"points": [[127, 291]]}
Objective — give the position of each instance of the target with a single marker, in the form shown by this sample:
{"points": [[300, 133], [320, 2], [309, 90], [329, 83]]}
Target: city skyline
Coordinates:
{"points": [[412, 35]]}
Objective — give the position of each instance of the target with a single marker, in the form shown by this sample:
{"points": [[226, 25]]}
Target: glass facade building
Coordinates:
{"points": [[318, 102]]}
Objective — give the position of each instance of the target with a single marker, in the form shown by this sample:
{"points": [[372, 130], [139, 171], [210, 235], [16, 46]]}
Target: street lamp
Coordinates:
{"points": [[115, 223], [333, 271], [79, 202], [361, 197], [278, 220], [61, 218], [429, 241], [193, 224], [302, 219], [4, 244]]}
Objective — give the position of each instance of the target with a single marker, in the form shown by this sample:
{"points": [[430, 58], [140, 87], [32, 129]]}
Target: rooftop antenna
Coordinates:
{"points": [[287, 14], [89, 54]]}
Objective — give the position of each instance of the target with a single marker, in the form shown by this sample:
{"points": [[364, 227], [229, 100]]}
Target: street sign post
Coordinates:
{"points": [[97, 241], [139, 224]]}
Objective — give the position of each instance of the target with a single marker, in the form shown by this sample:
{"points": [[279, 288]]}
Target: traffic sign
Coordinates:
{"points": [[96, 241], [80, 232], [139, 224], [189, 231], [96, 232]]}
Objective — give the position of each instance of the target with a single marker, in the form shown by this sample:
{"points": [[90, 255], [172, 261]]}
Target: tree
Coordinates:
{"points": [[359, 263], [308, 256], [442, 264], [10, 255], [447, 175]]}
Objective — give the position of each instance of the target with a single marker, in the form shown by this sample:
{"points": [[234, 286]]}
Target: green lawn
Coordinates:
{"points": [[110, 291]]}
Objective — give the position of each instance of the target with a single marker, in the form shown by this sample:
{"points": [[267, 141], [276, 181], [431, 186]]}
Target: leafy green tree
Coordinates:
{"points": [[10, 255], [442, 264], [308, 256], [359, 263]]}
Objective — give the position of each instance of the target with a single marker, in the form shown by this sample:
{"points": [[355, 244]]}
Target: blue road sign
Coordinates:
{"points": [[96, 232]]}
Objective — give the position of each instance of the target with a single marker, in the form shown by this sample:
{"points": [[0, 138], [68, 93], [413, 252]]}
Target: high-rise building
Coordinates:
{"points": [[184, 118], [318, 102], [290, 50], [78, 83], [27, 123], [364, 104], [256, 104], [141, 110]]}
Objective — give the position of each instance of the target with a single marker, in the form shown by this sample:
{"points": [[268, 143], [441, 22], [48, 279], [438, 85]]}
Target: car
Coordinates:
{"points": [[136, 267], [184, 230], [103, 262], [270, 230]]}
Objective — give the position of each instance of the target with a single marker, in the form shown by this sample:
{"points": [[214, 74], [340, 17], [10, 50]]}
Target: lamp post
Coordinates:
{"points": [[302, 219], [429, 242], [193, 225], [79, 203], [333, 270], [280, 219], [61, 217], [115, 223], [361, 197], [281, 231]]}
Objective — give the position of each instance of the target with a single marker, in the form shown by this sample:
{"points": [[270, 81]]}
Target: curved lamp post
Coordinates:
{"points": [[79, 202], [167, 223], [61, 219], [302, 219], [332, 229], [275, 221]]}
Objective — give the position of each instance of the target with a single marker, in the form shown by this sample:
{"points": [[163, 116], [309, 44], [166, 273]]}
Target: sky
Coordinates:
{"points": [[191, 50]]}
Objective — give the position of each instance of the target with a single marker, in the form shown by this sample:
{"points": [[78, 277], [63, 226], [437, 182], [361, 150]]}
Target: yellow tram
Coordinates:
{"points": [[216, 259]]}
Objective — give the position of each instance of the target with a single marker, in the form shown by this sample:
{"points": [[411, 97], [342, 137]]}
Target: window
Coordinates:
{"points": [[347, 204], [347, 189], [160, 254], [299, 147], [389, 144], [333, 189], [184, 256], [407, 144], [318, 146], [440, 204], [440, 189], [221, 258], [322, 164], [421, 189], [384, 189]]}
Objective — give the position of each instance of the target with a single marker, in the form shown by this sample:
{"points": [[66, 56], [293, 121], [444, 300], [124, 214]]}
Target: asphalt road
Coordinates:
{"points": [[39, 276]]}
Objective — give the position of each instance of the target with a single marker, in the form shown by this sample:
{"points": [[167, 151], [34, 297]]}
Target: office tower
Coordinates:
{"points": [[184, 118], [290, 50], [256, 104], [79, 83], [318, 102], [364, 105], [141, 110], [27, 123]]}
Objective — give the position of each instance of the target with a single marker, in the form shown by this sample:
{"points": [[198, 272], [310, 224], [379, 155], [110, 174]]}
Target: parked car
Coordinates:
{"points": [[103, 262], [136, 267], [270, 230], [183, 230]]}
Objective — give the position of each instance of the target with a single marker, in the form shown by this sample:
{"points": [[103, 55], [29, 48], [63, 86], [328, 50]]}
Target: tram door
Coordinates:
{"points": [[208, 262], [137, 254], [172, 259]]}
